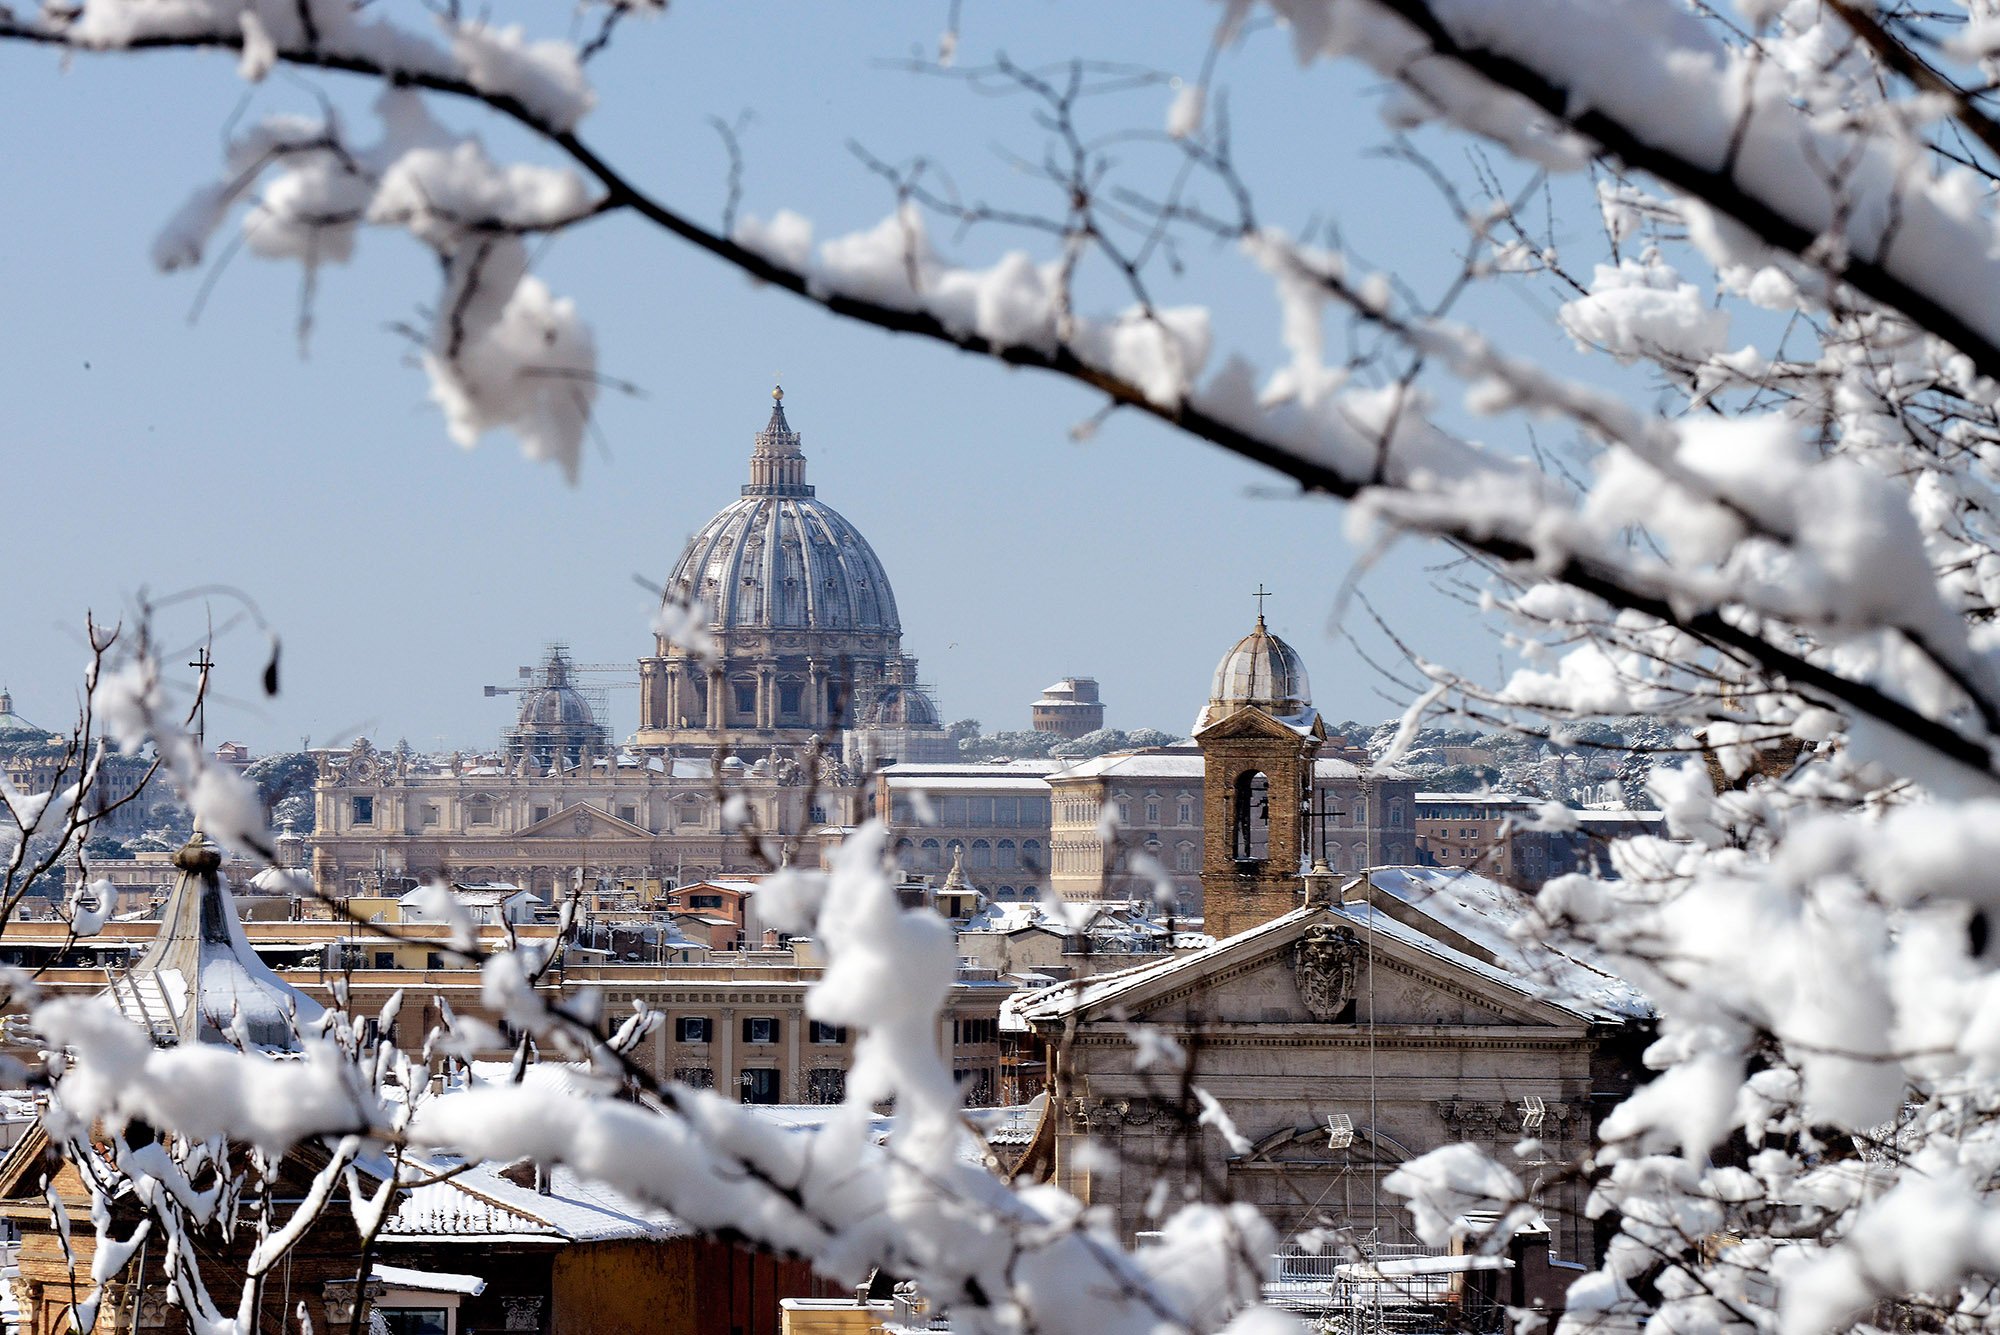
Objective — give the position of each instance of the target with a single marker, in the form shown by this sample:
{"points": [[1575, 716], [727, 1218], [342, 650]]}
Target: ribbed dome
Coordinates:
{"points": [[777, 558], [1262, 670], [559, 706], [901, 706]]}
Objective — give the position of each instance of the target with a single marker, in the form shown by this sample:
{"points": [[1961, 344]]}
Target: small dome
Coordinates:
{"points": [[900, 706], [1262, 670]]}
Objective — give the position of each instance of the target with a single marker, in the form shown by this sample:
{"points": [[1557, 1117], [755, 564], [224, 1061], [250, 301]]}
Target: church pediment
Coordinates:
{"points": [[1251, 721], [581, 821], [1314, 967]]}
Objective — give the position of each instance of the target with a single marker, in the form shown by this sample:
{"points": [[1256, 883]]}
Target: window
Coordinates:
{"points": [[1187, 811], [385, 959], [1396, 814], [689, 812], [692, 1029], [760, 1084], [933, 853], [1124, 812], [1360, 811], [828, 1084], [479, 811], [760, 1029], [430, 813], [412, 1320], [975, 1031], [1184, 857], [828, 1033], [1005, 855], [1006, 811], [1251, 818], [790, 695], [982, 854], [696, 1077], [363, 809], [630, 815], [746, 697], [1031, 854], [705, 901], [1152, 811]]}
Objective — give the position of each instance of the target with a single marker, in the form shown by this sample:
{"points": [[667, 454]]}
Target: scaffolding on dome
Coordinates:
{"points": [[560, 720]]}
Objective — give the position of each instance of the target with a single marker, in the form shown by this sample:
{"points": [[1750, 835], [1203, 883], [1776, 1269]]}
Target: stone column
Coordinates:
{"points": [[816, 694], [716, 705], [792, 1086]]}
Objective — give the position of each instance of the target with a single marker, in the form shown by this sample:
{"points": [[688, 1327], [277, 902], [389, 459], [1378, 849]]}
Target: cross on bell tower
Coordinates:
{"points": [[201, 663]]}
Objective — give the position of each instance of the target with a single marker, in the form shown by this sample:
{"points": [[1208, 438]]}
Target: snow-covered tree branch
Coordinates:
{"points": [[1793, 565]]}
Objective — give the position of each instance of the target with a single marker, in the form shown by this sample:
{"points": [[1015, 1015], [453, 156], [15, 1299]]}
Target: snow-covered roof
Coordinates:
{"points": [[1478, 914], [480, 1205], [1331, 767], [1087, 993], [961, 783], [1489, 916], [1025, 765], [1163, 764], [1482, 799], [198, 980], [428, 1281]]}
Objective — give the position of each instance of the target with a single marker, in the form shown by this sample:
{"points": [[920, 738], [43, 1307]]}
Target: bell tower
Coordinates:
{"points": [[1258, 735]]}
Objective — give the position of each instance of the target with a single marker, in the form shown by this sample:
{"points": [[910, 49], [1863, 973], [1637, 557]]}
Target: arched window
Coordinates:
{"points": [[1006, 855], [1031, 855], [1250, 817], [1184, 857], [981, 855], [933, 854]]}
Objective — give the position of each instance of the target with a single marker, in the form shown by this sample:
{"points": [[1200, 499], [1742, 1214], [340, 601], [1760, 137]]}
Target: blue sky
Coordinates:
{"points": [[139, 451]]}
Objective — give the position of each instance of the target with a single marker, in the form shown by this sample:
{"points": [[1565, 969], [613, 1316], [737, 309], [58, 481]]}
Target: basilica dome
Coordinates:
{"points": [[778, 558]]}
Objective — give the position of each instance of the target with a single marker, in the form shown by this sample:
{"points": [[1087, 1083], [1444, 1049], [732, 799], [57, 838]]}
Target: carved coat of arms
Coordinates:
{"points": [[1326, 961]]}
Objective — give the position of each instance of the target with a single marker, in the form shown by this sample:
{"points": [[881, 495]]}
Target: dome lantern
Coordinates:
{"points": [[777, 464]]}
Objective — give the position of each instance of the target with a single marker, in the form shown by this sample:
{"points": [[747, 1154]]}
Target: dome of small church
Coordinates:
{"points": [[778, 558], [1262, 670]]}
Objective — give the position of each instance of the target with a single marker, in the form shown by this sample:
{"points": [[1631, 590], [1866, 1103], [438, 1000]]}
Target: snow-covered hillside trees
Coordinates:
{"points": [[1788, 560]]}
